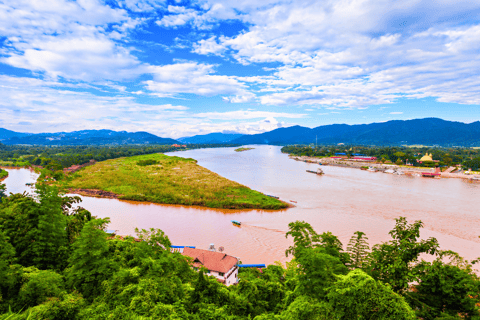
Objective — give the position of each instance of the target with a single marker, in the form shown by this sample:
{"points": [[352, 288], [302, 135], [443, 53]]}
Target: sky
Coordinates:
{"points": [[179, 68]]}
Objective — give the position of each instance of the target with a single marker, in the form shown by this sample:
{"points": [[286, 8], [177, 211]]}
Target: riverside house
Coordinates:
{"points": [[218, 264]]}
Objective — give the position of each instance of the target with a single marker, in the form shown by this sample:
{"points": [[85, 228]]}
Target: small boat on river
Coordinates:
{"points": [[275, 197], [237, 223], [319, 171]]}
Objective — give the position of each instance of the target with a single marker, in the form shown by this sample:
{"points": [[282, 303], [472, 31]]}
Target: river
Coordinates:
{"points": [[342, 201]]}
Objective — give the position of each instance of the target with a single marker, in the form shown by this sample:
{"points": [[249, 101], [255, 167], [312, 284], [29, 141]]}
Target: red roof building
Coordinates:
{"points": [[220, 265]]}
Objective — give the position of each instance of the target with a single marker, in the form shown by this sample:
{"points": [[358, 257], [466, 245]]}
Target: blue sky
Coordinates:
{"points": [[179, 68]]}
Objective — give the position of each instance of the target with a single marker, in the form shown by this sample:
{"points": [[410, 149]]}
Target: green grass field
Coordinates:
{"points": [[243, 149], [169, 180]]}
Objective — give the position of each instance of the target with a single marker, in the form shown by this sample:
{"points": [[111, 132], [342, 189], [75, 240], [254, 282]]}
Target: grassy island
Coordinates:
{"points": [[164, 179], [243, 149]]}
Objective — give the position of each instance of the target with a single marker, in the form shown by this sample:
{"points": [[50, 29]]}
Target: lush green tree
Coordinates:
{"points": [[19, 218], [303, 308], [50, 245], [447, 289], [317, 270], [303, 236], [358, 296], [89, 264], [396, 262], [7, 257], [358, 250], [155, 238], [38, 286], [3, 190]]}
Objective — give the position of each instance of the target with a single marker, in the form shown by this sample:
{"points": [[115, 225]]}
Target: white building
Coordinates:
{"points": [[220, 265]]}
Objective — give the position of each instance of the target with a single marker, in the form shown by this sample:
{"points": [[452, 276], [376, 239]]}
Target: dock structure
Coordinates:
{"points": [[251, 266]]}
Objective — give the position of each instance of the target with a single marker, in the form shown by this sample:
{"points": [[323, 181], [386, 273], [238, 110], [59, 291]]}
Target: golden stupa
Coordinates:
{"points": [[426, 157]]}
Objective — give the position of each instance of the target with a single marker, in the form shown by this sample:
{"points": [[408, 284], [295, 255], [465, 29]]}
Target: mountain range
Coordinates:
{"points": [[84, 137], [428, 131], [216, 137]]}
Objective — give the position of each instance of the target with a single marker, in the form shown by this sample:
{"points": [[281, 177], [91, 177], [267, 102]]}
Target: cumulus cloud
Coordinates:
{"points": [[208, 46], [68, 39], [329, 48], [191, 77]]}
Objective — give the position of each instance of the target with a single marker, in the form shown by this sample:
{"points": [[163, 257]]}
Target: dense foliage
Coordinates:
{"points": [[58, 157], [56, 262], [467, 157]]}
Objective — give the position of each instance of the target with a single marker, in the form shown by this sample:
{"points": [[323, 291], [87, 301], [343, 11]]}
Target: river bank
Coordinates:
{"points": [[451, 172]]}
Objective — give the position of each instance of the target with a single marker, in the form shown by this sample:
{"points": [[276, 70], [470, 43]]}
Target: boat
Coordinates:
{"points": [[29, 184], [237, 223], [275, 197], [319, 171], [293, 201]]}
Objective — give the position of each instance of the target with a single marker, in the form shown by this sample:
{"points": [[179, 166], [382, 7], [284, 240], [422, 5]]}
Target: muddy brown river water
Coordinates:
{"points": [[342, 201]]}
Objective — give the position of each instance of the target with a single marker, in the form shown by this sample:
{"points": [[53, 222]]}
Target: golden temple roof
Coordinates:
{"points": [[427, 157]]}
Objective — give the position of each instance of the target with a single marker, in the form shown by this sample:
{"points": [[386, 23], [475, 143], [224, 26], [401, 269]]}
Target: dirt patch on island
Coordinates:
{"points": [[95, 193]]}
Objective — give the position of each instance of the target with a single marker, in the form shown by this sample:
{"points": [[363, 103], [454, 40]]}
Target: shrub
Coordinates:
{"points": [[147, 162]]}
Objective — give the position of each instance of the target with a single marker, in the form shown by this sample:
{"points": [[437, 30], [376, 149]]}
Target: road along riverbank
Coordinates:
{"points": [[452, 172]]}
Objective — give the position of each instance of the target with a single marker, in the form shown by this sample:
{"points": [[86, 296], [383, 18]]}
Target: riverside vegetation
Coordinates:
{"points": [[58, 157], [3, 174], [56, 263], [170, 180]]}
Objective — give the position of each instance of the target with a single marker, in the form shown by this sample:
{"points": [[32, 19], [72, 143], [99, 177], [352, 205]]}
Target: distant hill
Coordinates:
{"points": [[89, 137], [7, 134], [211, 138], [428, 131]]}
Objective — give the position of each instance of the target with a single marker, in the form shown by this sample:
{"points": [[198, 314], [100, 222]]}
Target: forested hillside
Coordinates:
{"points": [[428, 131], [56, 262], [83, 138]]}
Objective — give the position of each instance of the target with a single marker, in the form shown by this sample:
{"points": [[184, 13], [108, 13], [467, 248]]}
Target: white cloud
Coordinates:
{"points": [[329, 48], [209, 46], [396, 112], [88, 58], [240, 114], [50, 106], [68, 39], [191, 77]]}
